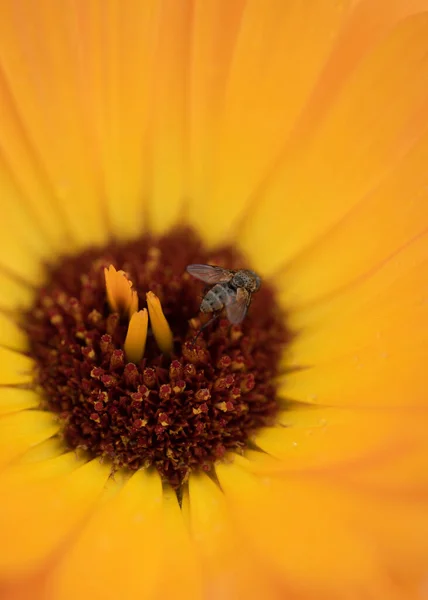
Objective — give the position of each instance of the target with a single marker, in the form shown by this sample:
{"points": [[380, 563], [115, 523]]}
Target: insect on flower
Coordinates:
{"points": [[232, 291]]}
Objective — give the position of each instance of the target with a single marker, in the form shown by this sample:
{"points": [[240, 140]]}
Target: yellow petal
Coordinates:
{"points": [[15, 399], [281, 46], [309, 438], [32, 187], [367, 346], [381, 225], [15, 368], [301, 529], [50, 509], [117, 45], [48, 449], [216, 27], [167, 131], [22, 246], [120, 543], [54, 118], [400, 527], [300, 54], [229, 571], [11, 335], [15, 292], [367, 130], [181, 575], [396, 473], [391, 515], [25, 472], [19, 431]]}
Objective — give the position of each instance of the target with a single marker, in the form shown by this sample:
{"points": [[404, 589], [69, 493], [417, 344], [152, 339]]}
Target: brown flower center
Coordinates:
{"points": [[179, 413]]}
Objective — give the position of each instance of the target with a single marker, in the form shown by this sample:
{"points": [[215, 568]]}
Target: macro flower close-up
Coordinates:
{"points": [[214, 299]]}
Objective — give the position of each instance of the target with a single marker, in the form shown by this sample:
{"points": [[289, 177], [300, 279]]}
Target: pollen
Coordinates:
{"points": [[117, 361]]}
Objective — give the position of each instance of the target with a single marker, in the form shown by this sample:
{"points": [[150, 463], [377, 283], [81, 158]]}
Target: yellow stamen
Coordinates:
{"points": [[120, 295], [135, 342], [133, 306], [160, 327]]}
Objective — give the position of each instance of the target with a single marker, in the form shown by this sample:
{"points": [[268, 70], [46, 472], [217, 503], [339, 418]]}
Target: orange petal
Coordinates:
{"points": [[181, 575], [366, 346], [229, 571], [51, 509], [168, 124], [56, 129], [117, 65], [306, 532], [216, 28], [28, 182], [320, 438], [355, 147], [120, 543], [377, 228], [22, 245], [281, 46]]}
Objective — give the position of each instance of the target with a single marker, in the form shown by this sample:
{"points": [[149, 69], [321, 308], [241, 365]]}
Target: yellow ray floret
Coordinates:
{"points": [[160, 327], [136, 337], [120, 295]]}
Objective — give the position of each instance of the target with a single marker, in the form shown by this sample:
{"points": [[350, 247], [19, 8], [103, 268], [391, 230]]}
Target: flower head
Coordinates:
{"points": [[141, 459]]}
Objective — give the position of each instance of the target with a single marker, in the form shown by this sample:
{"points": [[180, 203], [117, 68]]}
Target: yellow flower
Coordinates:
{"points": [[298, 131]]}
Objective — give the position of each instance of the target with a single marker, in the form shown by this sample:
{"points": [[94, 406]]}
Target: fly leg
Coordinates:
{"points": [[205, 325]]}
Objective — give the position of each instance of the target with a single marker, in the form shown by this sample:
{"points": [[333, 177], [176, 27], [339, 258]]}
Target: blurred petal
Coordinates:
{"points": [[367, 346], [15, 292], [303, 550], [117, 44], [181, 577], [19, 431], [28, 183], [393, 216], [22, 246], [319, 438], [228, 569], [370, 126], [120, 543], [11, 335], [15, 368], [336, 545], [13, 399], [168, 127], [216, 29], [57, 142], [43, 452], [278, 52], [51, 509]]}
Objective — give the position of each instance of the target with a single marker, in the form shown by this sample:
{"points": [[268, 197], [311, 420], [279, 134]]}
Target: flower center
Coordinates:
{"points": [[126, 395]]}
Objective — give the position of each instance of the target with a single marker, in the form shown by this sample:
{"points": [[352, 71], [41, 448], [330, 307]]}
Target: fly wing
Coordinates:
{"points": [[209, 273], [237, 306]]}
